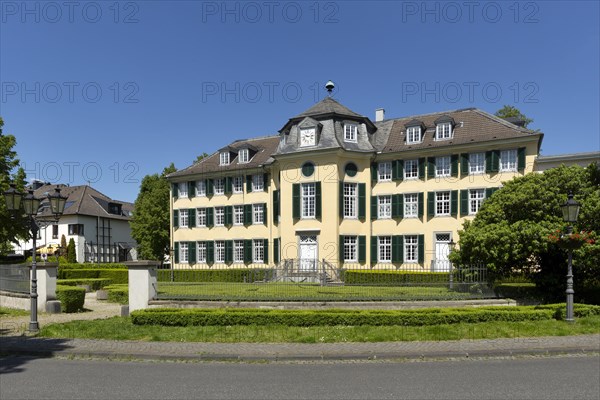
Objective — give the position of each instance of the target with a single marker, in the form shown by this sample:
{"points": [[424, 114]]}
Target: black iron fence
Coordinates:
{"points": [[14, 278], [298, 280]]}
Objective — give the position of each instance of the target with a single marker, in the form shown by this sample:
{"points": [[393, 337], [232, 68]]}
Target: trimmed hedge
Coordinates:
{"points": [[215, 275], [226, 317], [375, 277], [71, 298], [116, 276], [118, 294], [517, 291], [91, 266], [93, 283], [579, 310]]}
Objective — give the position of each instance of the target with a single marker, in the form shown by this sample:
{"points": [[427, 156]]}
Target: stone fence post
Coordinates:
{"points": [[46, 284], [142, 283]]}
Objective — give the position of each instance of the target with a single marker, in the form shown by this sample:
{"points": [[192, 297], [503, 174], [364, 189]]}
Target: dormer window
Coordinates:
{"points": [[443, 131], [224, 158], [350, 133], [413, 134], [308, 137], [244, 156]]}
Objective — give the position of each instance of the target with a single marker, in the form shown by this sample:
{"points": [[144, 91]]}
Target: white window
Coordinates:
{"points": [[384, 246], [238, 184], [308, 200], [508, 160], [183, 218], [411, 249], [201, 217], [258, 251], [350, 132], [244, 156], [201, 246], [411, 205], [258, 183], [411, 169], [350, 200], [442, 203], [476, 163], [384, 172], [350, 248], [183, 189], [413, 135], [238, 215], [220, 251], [219, 186], [257, 214], [384, 207], [183, 252], [238, 251], [442, 166], [200, 188], [476, 197], [224, 159], [308, 137], [443, 131], [219, 216]]}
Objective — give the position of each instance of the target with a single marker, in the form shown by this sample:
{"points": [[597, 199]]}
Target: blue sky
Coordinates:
{"points": [[108, 92]]}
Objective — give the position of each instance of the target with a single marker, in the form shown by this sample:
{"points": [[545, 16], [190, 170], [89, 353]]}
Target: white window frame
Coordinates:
{"points": [[258, 217], [411, 205], [508, 160], [350, 200], [219, 251], [443, 166], [219, 186], [201, 252], [244, 156], [414, 171], [350, 133], [384, 171], [258, 183], [308, 200], [350, 248], [476, 163], [384, 249], [201, 217], [443, 131], [476, 198], [238, 251], [219, 216], [183, 253], [238, 184], [413, 135], [442, 203], [384, 207], [200, 188], [238, 215], [184, 220], [224, 158], [258, 251], [411, 249], [182, 189]]}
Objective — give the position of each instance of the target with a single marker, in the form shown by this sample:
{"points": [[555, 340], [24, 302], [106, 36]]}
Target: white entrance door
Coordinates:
{"points": [[442, 250], [308, 252]]}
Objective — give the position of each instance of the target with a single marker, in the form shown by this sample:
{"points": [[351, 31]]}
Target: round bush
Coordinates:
{"points": [[71, 298]]}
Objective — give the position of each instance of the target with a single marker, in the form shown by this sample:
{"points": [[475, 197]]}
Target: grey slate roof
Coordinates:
{"points": [[328, 106]]}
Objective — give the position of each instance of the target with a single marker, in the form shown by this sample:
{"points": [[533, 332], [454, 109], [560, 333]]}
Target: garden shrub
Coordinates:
{"points": [[93, 283], [71, 298], [116, 276], [215, 275], [63, 266], [118, 294], [518, 291], [377, 277]]}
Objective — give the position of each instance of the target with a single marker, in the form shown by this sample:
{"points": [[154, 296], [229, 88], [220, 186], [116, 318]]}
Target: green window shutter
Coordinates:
{"points": [[265, 219], [373, 207], [176, 252], [175, 218], [464, 202], [521, 159], [431, 204], [210, 252], [397, 249], [228, 216], [341, 200], [464, 164], [210, 187], [296, 201], [266, 182], [398, 206], [247, 251], [430, 167], [318, 209], [191, 252], [454, 203], [175, 189], [397, 170], [228, 185], [210, 217], [341, 248], [247, 214], [454, 165], [489, 192], [192, 218], [228, 251], [420, 205], [191, 190], [362, 249], [373, 249], [248, 183], [492, 161], [421, 248], [275, 206], [374, 172], [276, 251], [422, 168], [266, 251], [362, 207]]}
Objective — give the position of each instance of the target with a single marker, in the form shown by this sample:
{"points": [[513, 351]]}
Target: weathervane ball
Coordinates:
{"points": [[329, 86]]}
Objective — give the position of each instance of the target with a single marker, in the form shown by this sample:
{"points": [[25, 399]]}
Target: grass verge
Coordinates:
{"points": [[11, 312]]}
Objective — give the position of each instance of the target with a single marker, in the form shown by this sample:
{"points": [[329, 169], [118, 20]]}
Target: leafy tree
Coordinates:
{"points": [[511, 111], [71, 252], [200, 157], [510, 232], [150, 223]]}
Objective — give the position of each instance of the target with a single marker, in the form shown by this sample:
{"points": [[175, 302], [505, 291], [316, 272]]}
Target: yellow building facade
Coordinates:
{"points": [[335, 186]]}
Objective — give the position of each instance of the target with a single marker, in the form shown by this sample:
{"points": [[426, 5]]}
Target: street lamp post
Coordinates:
{"points": [[31, 204], [570, 212]]}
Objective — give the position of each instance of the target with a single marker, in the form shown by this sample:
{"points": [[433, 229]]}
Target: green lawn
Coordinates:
{"points": [[121, 328], [303, 292], [11, 312]]}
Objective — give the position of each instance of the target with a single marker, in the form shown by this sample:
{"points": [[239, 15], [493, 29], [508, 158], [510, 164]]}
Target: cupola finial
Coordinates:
{"points": [[329, 86]]}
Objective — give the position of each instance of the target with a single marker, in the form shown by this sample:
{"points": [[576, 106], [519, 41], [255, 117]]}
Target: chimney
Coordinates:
{"points": [[379, 114]]}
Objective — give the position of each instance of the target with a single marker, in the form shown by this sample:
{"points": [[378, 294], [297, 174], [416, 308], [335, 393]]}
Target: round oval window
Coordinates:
{"points": [[351, 169], [308, 169]]}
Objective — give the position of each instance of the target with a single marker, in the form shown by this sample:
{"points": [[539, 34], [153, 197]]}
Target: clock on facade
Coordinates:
{"points": [[307, 137]]}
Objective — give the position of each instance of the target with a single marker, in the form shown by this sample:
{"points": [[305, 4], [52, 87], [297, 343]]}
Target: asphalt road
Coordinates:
{"points": [[535, 378]]}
